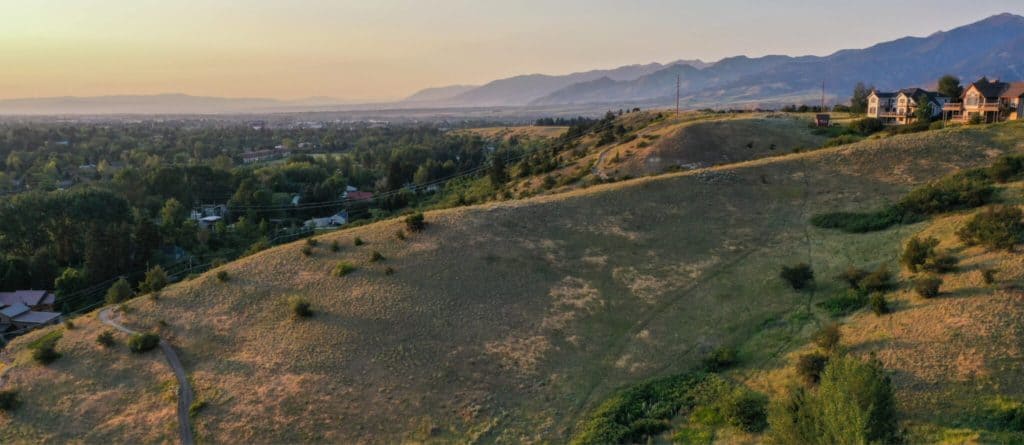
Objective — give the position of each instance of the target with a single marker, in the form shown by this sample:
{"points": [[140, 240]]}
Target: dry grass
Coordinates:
{"points": [[526, 131], [505, 322]]}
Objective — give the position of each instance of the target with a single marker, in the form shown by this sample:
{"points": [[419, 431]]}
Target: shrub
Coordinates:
{"points": [[105, 339], [841, 140], [335, 246], [358, 241], [139, 343], [415, 222], [941, 263], [1007, 415], [1006, 168], [877, 281], [937, 125], [810, 366], [400, 235], [867, 126], [389, 271], [343, 268], [917, 252], [975, 119], [195, 407], [312, 242], [156, 279], [861, 222], [878, 304], [998, 227], [798, 276], [376, 256], [746, 410], [844, 303], [720, 359], [960, 191], [119, 292], [222, 276], [44, 349], [827, 337], [852, 277], [9, 400], [300, 307], [68, 324], [927, 286], [307, 251], [989, 275]]}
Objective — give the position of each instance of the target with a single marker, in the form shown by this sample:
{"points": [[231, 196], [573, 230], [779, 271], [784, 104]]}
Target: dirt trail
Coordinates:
{"points": [[185, 394]]}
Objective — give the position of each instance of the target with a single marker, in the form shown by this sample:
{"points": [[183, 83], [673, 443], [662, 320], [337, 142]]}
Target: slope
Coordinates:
{"points": [[501, 322]]}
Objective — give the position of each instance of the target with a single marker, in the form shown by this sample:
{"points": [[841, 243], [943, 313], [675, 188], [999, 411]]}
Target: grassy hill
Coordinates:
{"points": [[510, 322]]}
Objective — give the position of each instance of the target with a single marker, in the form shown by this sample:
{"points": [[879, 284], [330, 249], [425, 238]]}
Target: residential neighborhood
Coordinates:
{"points": [[985, 100]]}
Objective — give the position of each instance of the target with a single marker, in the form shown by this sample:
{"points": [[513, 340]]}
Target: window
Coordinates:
{"points": [[972, 99], [871, 110]]}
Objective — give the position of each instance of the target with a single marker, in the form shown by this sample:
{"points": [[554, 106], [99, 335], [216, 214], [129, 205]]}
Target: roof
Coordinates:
{"points": [[989, 88], [27, 297], [883, 94], [214, 218], [359, 196], [1014, 89], [14, 310], [37, 317], [914, 93]]}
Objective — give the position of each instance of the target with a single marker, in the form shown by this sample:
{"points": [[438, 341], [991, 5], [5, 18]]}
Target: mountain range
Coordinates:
{"points": [[992, 47]]}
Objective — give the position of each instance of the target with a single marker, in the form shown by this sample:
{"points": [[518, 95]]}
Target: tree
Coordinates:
{"points": [[859, 101], [172, 215], [119, 292], [156, 279], [924, 110], [856, 402], [497, 171], [949, 86], [798, 276], [917, 252], [68, 283]]}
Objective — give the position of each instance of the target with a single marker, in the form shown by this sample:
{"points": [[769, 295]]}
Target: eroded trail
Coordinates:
{"points": [[185, 394]]}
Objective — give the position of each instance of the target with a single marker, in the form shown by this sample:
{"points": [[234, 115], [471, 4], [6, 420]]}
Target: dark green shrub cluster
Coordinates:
{"points": [[867, 126], [9, 400], [358, 241], [849, 389], [927, 286], [222, 276], [989, 276], [878, 303], [638, 412], [389, 271], [415, 222], [810, 366], [747, 411], [139, 343], [845, 302], [798, 276], [996, 228], [335, 246], [343, 268], [307, 251], [841, 140], [1007, 415], [301, 308], [720, 359], [376, 256], [827, 338], [44, 349], [312, 242], [917, 251], [1007, 168], [119, 291], [960, 191], [860, 222], [852, 276], [879, 280], [156, 279], [105, 339]]}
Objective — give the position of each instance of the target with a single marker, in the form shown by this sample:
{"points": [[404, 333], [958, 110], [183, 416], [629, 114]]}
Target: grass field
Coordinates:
{"points": [[508, 322]]}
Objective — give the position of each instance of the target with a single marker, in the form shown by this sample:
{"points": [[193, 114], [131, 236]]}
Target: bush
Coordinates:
{"points": [[343, 268], [105, 339], [376, 256], [858, 222], [841, 140], [119, 292], [798, 276], [358, 241], [44, 349], [937, 125], [139, 343], [852, 277], [917, 252], [68, 324], [827, 338], [415, 222], [400, 235], [195, 407], [989, 276], [810, 366], [720, 359], [156, 279], [307, 251], [312, 242], [853, 404], [222, 276], [879, 280], [997, 228], [976, 119], [867, 126], [1006, 168], [389, 271], [844, 303], [1007, 415], [300, 307], [878, 304], [927, 286], [941, 263], [335, 246], [747, 411], [960, 191], [9, 400]]}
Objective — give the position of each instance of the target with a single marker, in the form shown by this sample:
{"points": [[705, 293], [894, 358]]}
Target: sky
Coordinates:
{"points": [[373, 50]]}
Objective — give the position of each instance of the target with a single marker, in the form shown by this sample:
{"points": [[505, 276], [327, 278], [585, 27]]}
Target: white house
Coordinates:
{"points": [[335, 220], [900, 107]]}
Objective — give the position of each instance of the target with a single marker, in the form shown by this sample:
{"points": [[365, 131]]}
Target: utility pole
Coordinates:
{"points": [[677, 93], [822, 95]]}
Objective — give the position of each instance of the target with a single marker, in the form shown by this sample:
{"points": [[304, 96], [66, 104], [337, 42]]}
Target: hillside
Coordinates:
{"points": [[509, 322]]}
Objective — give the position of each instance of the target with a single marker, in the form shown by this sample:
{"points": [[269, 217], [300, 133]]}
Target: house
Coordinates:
{"points": [[335, 220], [34, 299], [990, 100], [358, 196], [209, 221], [21, 316], [900, 107], [206, 210]]}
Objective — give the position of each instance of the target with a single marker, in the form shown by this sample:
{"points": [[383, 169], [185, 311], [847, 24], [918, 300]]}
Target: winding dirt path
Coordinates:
{"points": [[185, 394]]}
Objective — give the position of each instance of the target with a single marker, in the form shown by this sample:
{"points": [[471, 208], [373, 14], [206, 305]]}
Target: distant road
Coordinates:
{"points": [[185, 394]]}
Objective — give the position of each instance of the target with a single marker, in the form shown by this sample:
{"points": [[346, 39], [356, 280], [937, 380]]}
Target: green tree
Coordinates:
{"points": [[924, 110], [119, 292], [859, 100], [949, 86], [156, 279], [68, 283], [856, 403], [497, 172]]}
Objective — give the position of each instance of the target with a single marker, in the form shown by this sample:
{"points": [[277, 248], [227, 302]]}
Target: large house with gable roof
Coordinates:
{"points": [[987, 101]]}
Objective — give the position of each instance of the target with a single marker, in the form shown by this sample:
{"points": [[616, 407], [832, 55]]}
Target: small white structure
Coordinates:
{"points": [[207, 221], [335, 220]]}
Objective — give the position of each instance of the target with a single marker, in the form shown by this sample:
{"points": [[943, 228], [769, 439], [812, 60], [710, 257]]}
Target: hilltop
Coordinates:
{"points": [[511, 321]]}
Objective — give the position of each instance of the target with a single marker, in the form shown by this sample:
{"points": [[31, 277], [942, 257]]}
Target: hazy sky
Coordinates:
{"points": [[387, 49]]}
